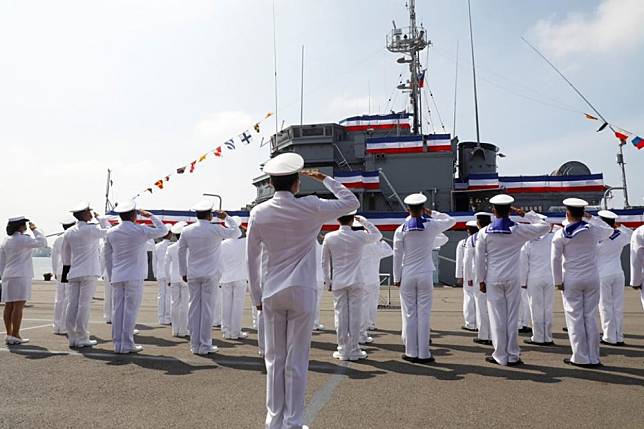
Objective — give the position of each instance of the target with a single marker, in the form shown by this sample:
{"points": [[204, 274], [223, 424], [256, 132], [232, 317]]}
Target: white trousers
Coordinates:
{"points": [[288, 322], [524, 310], [179, 309], [164, 299], [347, 305], [540, 298], [503, 304], [79, 300], [316, 322], [215, 299], [469, 306], [126, 298], [580, 300], [200, 312], [370, 305], [107, 302], [261, 342], [482, 316], [416, 305], [60, 308], [611, 307], [232, 308]]}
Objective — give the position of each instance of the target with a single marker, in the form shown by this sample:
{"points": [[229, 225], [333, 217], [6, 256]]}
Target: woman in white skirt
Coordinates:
{"points": [[17, 272]]}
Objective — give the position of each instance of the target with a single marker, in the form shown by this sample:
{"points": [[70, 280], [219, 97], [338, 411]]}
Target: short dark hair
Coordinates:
{"points": [[13, 227], [346, 219], [77, 215], [284, 183], [204, 214], [473, 229], [610, 222], [576, 212], [416, 208], [484, 220], [502, 211], [127, 215]]}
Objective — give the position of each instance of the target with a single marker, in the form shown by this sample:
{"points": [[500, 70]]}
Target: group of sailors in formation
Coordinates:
{"points": [[508, 270]]}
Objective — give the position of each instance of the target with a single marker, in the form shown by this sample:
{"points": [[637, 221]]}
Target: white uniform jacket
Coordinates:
{"points": [[288, 227], [233, 260], [81, 248], [460, 255], [15, 254], [371, 256], [57, 257], [609, 252], [171, 268], [158, 258], [535, 260], [637, 256]]}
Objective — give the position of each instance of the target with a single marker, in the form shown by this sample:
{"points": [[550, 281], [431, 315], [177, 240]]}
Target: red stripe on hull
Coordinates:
{"points": [[397, 150], [376, 127]]}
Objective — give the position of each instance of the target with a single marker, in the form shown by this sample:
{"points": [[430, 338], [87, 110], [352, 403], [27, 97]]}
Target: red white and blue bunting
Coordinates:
{"points": [[369, 180], [409, 144]]}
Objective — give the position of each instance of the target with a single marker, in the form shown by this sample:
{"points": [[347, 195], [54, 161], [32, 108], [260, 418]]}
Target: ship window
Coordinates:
{"points": [[296, 132], [306, 132]]}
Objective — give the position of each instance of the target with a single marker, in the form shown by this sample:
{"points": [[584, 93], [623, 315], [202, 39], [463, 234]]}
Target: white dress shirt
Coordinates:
{"points": [[15, 254], [319, 272], [637, 256], [234, 266], [57, 257], [413, 249], [199, 247], [81, 248], [288, 227], [160, 250], [171, 268], [535, 260], [579, 253], [342, 254], [469, 259], [609, 252], [125, 249], [371, 256], [460, 254]]}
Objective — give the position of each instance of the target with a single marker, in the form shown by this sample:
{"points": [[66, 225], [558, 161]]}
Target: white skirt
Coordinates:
{"points": [[16, 289]]}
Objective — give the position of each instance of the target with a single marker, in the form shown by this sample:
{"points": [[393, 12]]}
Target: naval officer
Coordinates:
{"points": [[285, 227], [341, 255], [178, 288], [17, 271], [574, 269], [234, 279], [498, 249], [372, 254], [413, 273], [611, 280], [126, 264], [637, 261], [200, 267], [164, 296], [536, 279], [81, 270], [483, 219], [60, 300], [469, 300]]}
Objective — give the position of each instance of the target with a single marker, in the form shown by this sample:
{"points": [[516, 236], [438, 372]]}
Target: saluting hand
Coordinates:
{"points": [[314, 174], [427, 211], [32, 226], [518, 211], [221, 214], [144, 213]]}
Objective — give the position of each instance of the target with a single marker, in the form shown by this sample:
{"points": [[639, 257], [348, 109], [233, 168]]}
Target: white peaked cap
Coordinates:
{"points": [[68, 221], [177, 228], [284, 164], [501, 200], [125, 206], [18, 219], [488, 214], [81, 207], [542, 216], [575, 202], [471, 223], [351, 213], [237, 220], [607, 214], [415, 199], [203, 206]]}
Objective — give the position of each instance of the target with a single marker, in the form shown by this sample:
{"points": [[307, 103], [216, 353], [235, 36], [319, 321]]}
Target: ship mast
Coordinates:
{"points": [[410, 41]]}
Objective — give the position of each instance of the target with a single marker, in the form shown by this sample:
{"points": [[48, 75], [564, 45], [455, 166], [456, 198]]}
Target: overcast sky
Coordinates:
{"points": [[144, 87]]}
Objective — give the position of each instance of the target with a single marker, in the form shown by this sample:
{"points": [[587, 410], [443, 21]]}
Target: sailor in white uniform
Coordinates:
{"points": [[498, 250], [372, 254], [126, 263], [60, 300], [611, 280], [317, 325], [413, 273], [200, 267], [164, 296], [107, 287], [637, 261], [81, 269], [234, 279], [536, 279], [17, 272], [574, 269], [178, 288], [286, 228], [341, 255], [469, 300], [483, 219]]}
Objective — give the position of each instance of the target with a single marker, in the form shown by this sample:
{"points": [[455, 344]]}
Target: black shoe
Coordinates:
{"points": [[517, 363], [490, 359], [465, 328], [564, 329], [410, 359], [606, 343], [484, 342], [536, 343], [549, 343], [426, 361], [620, 344], [525, 330], [580, 365]]}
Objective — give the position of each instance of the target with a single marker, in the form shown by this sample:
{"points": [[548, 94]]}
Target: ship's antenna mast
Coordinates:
{"points": [[476, 101], [275, 67], [455, 92], [410, 41], [108, 187]]}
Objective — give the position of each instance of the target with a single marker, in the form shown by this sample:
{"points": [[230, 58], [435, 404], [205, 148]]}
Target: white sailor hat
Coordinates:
{"points": [[488, 214], [237, 220], [203, 206], [607, 214], [177, 228], [68, 221], [415, 199], [125, 206], [501, 200], [16, 219], [575, 202], [81, 207], [471, 223], [284, 164], [542, 216], [351, 213]]}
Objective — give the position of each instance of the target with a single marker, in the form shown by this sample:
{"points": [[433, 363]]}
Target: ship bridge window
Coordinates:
{"points": [[308, 132]]}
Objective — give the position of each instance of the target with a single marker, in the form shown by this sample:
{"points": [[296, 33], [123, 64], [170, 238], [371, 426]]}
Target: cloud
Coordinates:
{"points": [[615, 25]]}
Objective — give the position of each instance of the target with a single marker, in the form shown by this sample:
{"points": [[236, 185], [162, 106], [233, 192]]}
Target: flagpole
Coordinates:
{"points": [[455, 92], [275, 67], [302, 90], [476, 102]]}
